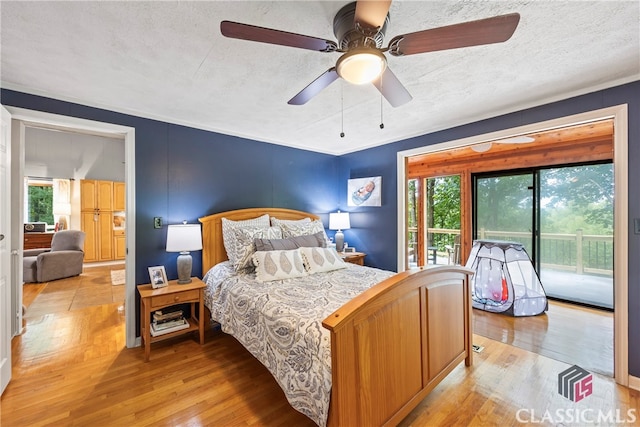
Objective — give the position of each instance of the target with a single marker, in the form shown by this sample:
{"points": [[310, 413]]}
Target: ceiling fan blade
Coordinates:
{"points": [[315, 87], [237, 30], [372, 13], [391, 88], [484, 31]]}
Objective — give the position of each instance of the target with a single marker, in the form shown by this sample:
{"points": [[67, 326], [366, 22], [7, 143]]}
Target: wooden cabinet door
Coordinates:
{"points": [[119, 245], [118, 196], [104, 195], [90, 228], [105, 236], [88, 195]]}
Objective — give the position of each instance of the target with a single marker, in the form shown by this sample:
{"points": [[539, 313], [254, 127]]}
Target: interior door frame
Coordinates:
{"points": [[619, 114], [27, 118]]}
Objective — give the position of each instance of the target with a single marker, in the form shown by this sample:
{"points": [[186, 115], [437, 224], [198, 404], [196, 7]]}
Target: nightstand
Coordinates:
{"points": [[353, 257], [172, 294]]}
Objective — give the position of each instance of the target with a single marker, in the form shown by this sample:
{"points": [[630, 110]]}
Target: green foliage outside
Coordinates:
{"points": [[443, 201], [571, 199], [443, 209], [40, 204]]}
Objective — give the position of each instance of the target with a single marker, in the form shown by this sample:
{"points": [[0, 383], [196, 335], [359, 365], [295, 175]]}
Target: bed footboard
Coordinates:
{"points": [[391, 345]]}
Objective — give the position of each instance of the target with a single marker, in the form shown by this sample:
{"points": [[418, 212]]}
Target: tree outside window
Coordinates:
{"points": [[40, 204]]}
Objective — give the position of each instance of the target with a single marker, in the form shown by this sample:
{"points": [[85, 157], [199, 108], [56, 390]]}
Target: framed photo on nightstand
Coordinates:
{"points": [[158, 277]]}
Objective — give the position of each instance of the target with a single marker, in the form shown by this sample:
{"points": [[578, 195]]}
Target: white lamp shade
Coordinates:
{"points": [[62, 208], [339, 221], [184, 238]]}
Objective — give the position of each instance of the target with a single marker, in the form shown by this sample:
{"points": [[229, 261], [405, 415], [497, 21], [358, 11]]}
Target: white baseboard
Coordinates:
{"points": [[634, 383], [102, 264]]}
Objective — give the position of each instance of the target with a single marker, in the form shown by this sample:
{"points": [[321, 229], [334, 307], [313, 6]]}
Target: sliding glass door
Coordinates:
{"points": [[576, 229], [504, 206], [564, 219]]}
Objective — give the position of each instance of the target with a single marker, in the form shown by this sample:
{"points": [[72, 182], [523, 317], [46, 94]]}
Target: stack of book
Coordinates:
{"points": [[165, 323]]}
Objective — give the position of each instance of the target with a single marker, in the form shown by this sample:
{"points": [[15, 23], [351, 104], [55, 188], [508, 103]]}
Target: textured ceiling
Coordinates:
{"points": [[168, 61]]}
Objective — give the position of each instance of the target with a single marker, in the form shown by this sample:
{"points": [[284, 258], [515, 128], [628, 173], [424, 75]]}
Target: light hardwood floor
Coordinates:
{"points": [[71, 368]]}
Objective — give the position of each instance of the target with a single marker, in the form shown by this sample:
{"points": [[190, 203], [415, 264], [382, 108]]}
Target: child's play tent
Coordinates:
{"points": [[505, 280]]}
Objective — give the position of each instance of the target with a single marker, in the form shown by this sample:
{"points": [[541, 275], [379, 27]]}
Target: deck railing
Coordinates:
{"points": [[575, 252]]}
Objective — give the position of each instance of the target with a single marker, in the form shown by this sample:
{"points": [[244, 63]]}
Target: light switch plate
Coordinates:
{"points": [[636, 226], [157, 222]]}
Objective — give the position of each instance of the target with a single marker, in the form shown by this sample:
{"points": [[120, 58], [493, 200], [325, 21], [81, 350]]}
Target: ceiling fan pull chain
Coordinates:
{"points": [[381, 120], [342, 110]]}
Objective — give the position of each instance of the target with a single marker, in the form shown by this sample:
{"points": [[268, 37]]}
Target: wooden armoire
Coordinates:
{"points": [[98, 202]]}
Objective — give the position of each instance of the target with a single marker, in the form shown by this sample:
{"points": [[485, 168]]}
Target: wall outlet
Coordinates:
{"points": [[157, 222], [636, 226]]}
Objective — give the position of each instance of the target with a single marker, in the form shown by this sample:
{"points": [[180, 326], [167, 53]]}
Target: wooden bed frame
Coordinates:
{"points": [[391, 345]]}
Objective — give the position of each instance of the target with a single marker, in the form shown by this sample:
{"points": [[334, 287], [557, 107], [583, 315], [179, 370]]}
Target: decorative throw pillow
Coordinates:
{"points": [[275, 222], [313, 240], [278, 265], [318, 260], [302, 228], [243, 247], [228, 237]]}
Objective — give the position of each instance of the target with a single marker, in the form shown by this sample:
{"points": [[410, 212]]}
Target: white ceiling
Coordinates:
{"points": [[168, 61]]}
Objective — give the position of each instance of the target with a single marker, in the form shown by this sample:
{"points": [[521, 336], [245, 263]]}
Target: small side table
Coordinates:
{"points": [[354, 257], [431, 254], [172, 294]]}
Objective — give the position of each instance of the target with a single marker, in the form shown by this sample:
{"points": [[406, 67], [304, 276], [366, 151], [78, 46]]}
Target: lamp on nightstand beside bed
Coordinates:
{"points": [[184, 238], [339, 221]]}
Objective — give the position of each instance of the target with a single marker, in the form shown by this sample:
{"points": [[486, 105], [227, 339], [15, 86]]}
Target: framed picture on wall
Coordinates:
{"points": [[365, 191], [158, 277]]}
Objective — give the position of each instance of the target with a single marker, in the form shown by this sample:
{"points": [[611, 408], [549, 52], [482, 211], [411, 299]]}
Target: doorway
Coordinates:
{"points": [[553, 131], [23, 118]]}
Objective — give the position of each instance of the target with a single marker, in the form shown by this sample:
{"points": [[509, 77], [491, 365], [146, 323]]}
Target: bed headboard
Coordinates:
{"points": [[213, 251]]}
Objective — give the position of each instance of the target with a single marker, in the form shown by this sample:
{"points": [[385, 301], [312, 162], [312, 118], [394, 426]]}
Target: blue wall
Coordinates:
{"points": [[381, 239], [184, 173]]}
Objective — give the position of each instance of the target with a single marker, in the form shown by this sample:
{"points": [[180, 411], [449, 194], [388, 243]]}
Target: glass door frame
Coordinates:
{"points": [[534, 251]]}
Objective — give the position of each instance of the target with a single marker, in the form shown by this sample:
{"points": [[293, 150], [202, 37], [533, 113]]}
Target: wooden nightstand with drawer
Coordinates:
{"points": [[152, 300]]}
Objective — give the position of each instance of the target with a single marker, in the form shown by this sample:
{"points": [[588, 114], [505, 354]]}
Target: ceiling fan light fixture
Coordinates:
{"points": [[360, 66], [482, 147]]}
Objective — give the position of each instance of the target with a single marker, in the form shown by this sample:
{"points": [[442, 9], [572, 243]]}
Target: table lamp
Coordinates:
{"points": [[184, 238], [339, 221]]}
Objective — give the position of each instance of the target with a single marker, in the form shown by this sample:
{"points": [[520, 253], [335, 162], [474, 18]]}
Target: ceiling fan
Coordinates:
{"points": [[360, 28]]}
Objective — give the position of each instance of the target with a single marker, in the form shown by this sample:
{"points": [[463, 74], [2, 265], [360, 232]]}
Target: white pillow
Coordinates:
{"points": [[301, 228], [275, 222], [228, 237], [243, 244], [278, 265], [318, 260]]}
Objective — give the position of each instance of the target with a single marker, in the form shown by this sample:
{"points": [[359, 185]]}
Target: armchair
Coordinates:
{"points": [[64, 259]]}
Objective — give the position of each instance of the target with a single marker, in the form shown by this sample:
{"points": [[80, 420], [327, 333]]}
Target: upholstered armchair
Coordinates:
{"points": [[64, 259]]}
